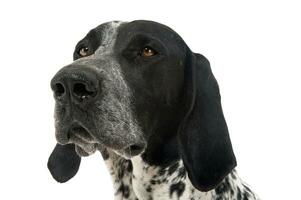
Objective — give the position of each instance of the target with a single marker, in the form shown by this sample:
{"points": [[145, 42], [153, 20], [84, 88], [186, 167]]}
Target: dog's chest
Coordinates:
{"points": [[136, 180], [156, 183]]}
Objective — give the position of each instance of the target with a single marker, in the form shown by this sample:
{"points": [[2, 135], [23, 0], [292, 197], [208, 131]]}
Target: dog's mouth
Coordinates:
{"points": [[85, 143]]}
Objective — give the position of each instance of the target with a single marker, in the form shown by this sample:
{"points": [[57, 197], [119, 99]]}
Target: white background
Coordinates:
{"points": [[255, 52]]}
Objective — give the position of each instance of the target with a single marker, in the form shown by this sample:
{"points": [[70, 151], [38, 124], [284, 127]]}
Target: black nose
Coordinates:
{"points": [[75, 83]]}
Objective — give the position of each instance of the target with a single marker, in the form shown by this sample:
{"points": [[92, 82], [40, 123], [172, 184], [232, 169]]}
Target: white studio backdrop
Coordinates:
{"points": [[255, 52]]}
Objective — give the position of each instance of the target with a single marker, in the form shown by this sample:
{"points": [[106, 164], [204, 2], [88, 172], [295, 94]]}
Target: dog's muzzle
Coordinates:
{"points": [[75, 86], [78, 92]]}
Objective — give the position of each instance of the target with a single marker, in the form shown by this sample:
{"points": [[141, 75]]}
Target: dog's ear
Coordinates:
{"points": [[63, 162], [205, 145]]}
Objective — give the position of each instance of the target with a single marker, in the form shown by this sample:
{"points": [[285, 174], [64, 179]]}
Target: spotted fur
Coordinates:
{"points": [[134, 179]]}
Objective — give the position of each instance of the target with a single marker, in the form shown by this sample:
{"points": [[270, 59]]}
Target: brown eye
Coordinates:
{"points": [[83, 51], [147, 52]]}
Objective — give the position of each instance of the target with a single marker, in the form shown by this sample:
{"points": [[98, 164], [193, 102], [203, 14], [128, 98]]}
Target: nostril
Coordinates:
{"points": [[82, 91], [58, 89]]}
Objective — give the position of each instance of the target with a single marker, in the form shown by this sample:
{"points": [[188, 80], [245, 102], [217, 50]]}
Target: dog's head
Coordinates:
{"points": [[136, 88]]}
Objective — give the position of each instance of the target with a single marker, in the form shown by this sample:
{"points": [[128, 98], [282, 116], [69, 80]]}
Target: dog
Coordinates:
{"points": [[139, 95]]}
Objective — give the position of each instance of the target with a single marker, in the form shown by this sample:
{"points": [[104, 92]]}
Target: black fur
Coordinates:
{"points": [[205, 144]]}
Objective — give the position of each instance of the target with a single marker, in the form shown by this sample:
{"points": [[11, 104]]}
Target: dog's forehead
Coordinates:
{"points": [[114, 32], [108, 31], [148, 29]]}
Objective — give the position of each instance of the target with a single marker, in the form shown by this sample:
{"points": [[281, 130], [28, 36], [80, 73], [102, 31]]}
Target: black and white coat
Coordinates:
{"points": [[136, 179], [151, 106]]}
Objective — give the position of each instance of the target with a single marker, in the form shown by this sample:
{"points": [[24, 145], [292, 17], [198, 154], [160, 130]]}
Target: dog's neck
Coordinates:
{"points": [[154, 182], [135, 179]]}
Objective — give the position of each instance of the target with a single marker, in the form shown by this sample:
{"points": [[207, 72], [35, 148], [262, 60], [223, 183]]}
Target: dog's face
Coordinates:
{"points": [[127, 78], [136, 88]]}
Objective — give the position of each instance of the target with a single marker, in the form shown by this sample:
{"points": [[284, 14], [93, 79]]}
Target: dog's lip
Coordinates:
{"points": [[85, 151], [85, 143], [79, 132]]}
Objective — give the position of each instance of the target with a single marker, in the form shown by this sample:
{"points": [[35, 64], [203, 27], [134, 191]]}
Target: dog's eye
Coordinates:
{"points": [[83, 51], [147, 52]]}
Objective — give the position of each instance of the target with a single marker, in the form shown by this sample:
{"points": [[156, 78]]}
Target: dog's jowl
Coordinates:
{"points": [[139, 95]]}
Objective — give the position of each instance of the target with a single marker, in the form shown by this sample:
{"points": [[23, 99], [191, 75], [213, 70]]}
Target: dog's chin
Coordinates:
{"points": [[85, 143]]}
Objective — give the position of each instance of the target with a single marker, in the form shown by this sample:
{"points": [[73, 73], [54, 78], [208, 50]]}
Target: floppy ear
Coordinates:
{"points": [[63, 162], [205, 145]]}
